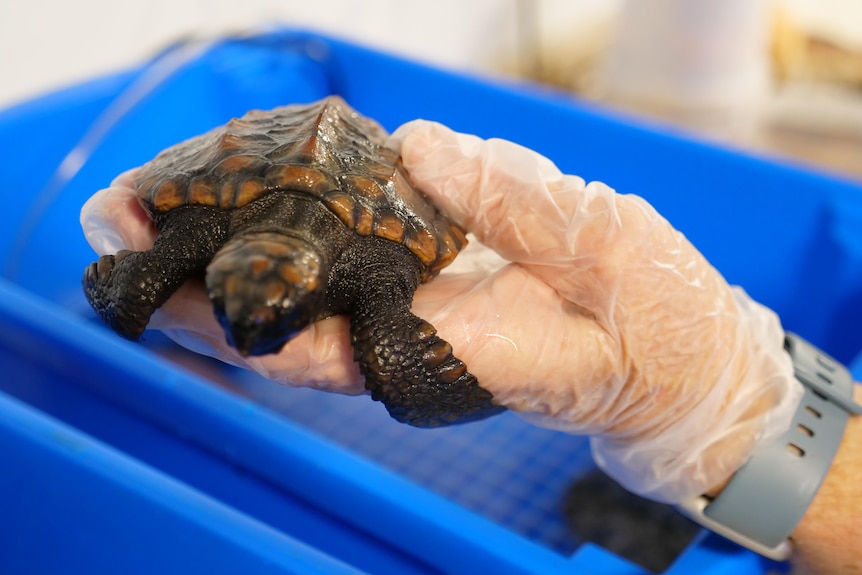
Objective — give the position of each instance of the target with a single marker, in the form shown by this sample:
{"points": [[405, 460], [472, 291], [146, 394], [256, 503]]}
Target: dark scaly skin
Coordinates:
{"points": [[288, 229], [406, 364], [126, 289]]}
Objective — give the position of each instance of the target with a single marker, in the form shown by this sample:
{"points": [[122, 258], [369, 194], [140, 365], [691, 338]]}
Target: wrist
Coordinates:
{"points": [[824, 539]]}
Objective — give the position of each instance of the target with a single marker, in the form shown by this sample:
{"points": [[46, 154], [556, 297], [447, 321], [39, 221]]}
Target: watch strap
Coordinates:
{"points": [[767, 497]]}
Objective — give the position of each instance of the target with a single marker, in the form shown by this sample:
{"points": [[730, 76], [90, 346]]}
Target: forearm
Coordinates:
{"points": [[828, 540]]}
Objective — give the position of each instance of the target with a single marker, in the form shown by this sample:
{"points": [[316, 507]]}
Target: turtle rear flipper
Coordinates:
{"points": [[406, 365], [409, 368]]}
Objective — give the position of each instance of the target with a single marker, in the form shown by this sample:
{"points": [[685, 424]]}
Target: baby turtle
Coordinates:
{"points": [[293, 215]]}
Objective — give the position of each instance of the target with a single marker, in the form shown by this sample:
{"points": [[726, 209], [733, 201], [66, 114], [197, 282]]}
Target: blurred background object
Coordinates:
{"points": [[645, 532], [703, 63], [775, 76], [50, 43], [782, 77]]}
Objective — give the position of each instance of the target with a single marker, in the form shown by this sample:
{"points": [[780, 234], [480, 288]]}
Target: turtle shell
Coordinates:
{"points": [[325, 149]]}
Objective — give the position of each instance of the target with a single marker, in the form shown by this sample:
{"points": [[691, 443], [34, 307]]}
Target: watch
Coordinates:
{"points": [[766, 498]]}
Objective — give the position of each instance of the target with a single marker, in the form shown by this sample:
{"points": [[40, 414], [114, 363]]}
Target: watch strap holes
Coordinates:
{"points": [[825, 363], [805, 430], [813, 412], [795, 450]]}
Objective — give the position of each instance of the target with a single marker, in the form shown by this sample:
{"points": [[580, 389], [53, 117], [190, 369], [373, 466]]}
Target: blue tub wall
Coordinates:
{"points": [[788, 236]]}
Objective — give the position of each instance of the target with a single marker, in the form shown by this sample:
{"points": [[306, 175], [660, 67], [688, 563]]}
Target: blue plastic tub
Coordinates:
{"points": [[117, 459]]}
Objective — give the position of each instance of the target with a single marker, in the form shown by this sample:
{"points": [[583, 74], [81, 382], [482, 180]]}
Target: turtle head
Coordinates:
{"points": [[265, 289]]}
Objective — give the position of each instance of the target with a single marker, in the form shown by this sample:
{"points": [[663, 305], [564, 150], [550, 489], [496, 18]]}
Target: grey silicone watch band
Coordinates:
{"points": [[767, 497]]}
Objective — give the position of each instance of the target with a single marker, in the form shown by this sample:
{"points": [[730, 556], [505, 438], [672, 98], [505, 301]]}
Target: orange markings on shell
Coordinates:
{"points": [[324, 149], [228, 194], [452, 241], [303, 150], [342, 206], [249, 191], [201, 193], [240, 163], [168, 196], [458, 237], [300, 178], [421, 242], [364, 221], [389, 226], [365, 186]]}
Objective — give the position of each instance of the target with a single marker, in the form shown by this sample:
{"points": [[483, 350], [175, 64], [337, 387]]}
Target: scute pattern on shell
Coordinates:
{"points": [[326, 150]]}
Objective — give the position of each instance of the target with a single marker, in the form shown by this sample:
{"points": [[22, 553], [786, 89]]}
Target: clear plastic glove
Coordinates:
{"points": [[599, 319]]}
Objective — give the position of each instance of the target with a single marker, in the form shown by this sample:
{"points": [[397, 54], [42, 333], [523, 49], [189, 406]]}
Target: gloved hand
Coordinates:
{"points": [[599, 319]]}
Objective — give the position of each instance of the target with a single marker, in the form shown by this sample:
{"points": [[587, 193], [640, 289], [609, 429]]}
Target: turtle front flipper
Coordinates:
{"points": [[126, 289], [406, 365]]}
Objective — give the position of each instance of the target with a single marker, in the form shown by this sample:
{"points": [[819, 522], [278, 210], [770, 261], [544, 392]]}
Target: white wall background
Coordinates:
{"points": [[45, 44]]}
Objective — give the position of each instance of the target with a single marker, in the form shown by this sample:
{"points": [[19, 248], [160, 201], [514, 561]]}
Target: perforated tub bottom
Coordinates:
{"points": [[502, 468]]}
